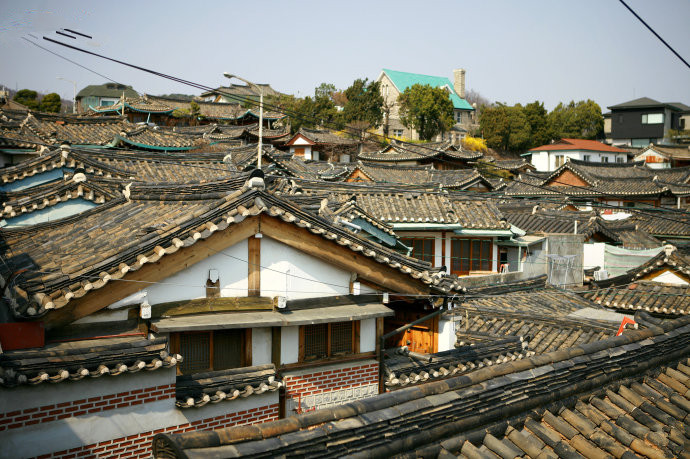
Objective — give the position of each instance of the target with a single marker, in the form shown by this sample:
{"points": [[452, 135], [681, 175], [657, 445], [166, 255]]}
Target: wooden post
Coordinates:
{"points": [[253, 267], [275, 346]]}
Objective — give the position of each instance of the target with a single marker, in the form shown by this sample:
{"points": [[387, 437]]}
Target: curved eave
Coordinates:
{"points": [[152, 147]]}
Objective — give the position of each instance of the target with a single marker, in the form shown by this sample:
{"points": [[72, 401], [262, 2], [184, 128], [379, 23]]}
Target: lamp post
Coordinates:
{"points": [[261, 112], [74, 99]]}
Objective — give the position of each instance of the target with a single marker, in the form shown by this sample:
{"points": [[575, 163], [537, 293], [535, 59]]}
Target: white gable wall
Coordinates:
{"points": [[669, 277], [301, 275]]}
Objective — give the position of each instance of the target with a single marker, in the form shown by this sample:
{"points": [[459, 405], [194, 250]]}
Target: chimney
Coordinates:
{"points": [[459, 82]]}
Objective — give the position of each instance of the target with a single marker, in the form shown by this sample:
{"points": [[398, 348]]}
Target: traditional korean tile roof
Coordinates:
{"points": [[671, 152], [662, 224], [397, 151], [322, 137], [404, 368], [420, 175], [56, 129], [420, 207], [653, 297], [630, 392], [200, 389], [513, 165], [667, 259], [76, 360], [578, 144], [459, 178], [73, 257], [630, 235], [158, 139], [602, 179], [143, 104], [52, 193], [242, 90]]}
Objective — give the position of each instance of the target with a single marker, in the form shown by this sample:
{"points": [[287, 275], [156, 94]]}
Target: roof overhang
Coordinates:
{"points": [[233, 320], [426, 226], [484, 232], [523, 241]]}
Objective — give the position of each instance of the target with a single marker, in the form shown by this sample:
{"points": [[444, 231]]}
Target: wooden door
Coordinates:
{"points": [[422, 338]]}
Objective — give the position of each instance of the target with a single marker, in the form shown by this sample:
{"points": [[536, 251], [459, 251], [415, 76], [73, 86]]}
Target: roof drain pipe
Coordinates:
{"points": [[383, 338]]}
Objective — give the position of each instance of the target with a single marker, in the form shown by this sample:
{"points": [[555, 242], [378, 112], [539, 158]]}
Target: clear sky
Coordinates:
{"points": [[513, 51]]}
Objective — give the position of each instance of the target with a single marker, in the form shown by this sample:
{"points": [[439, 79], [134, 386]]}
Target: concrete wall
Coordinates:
{"points": [[593, 255]]}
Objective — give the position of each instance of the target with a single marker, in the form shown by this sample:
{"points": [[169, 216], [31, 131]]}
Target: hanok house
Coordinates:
{"points": [[613, 184], [624, 396], [440, 155], [247, 308], [664, 156], [322, 144]]}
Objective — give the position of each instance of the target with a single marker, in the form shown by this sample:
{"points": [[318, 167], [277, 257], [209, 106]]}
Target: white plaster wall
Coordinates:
{"points": [[540, 160], [190, 283], [594, 255], [438, 248], [261, 346], [670, 278], [302, 275], [289, 345], [367, 335], [446, 335]]}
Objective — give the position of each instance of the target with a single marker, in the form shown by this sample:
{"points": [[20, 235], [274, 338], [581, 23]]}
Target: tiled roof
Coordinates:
{"points": [[76, 360], [513, 165], [419, 207], [624, 403], [148, 137], [323, 136], [650, 296], [394, 174], [680, 152], [662, 224], [200, 389], [412, 152], [645, 102], [142, 104], [602, 179], [242, 90], [54, 129], [578, 144], [70, 258], [403, 368], [642, 418]]}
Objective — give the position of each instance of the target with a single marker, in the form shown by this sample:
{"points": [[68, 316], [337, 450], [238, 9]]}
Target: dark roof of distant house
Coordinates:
{"points": [[646, 102], [578, 144], [398, 151], [651, 296], [242, 90], [107, 90], [321, 136]]}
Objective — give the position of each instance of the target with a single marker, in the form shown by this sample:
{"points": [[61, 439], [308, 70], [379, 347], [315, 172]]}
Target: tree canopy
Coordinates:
{"points": [[518, 128], [28, 98], [363, 106], [427, 110], [51, 103], [578, 120]]}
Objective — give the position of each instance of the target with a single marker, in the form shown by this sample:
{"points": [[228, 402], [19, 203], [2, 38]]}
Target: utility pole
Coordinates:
{"points": [[261, 113], [74, 98]]}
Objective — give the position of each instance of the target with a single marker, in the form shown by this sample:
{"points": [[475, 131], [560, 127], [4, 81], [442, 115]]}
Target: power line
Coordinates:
{"points": [[655, 34]]}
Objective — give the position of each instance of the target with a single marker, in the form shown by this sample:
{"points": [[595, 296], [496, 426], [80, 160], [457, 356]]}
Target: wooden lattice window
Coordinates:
{"points": [[332, 340], [211, 350], [471, 255], [422, 248]]}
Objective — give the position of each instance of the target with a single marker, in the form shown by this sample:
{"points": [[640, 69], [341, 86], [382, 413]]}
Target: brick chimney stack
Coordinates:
{"points": [[459, 82]]}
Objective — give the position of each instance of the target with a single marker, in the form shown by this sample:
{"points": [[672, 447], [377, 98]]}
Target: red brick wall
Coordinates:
{"points": [[48, 413], [139, 446], [325, 381]]}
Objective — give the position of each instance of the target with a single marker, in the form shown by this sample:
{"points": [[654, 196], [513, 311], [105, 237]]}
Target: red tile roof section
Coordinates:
{"points": [[578, 144]]}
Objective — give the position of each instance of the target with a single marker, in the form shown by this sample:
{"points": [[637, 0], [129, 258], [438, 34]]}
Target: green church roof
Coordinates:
{"points": [[107, 90], [403, 80]]}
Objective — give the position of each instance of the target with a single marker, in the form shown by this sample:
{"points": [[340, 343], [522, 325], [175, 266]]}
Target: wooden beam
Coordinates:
{"points": [[254, 267], [202, 305], [332, 253], [247, 348], [151, 272]]}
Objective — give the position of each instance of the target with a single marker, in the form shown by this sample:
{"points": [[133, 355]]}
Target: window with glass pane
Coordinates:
{"points": [[471, 255], [422, 248]]}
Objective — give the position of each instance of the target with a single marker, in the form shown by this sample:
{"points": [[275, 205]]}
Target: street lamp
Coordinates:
{"points": [[74, 99], [261, 111]]}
